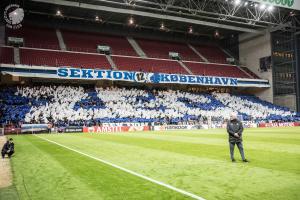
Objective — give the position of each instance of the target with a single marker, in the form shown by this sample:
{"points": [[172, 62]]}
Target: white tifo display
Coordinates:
{"points": [[250, 108], [127, 103]]}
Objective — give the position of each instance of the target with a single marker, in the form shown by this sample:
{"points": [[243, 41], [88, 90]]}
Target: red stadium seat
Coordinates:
{"points": [[157, 51], [36, 37], [212, 53], [58, 58], [161, 49], [6, 55], [148, 65], [82, 41], [250, 72], [216, 70]]}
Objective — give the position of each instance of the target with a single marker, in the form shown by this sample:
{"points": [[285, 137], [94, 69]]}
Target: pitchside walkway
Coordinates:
{"points": [[5, 170]]}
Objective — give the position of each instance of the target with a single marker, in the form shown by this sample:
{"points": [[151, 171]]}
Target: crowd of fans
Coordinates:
{"points": [[81, 106], [254, 107]]}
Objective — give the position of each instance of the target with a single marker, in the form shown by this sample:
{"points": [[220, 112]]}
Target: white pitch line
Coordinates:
{"points": [[128, 171]]}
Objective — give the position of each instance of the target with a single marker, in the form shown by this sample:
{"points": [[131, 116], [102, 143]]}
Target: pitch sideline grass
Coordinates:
{"points": [[196, 161], [127, 170]]}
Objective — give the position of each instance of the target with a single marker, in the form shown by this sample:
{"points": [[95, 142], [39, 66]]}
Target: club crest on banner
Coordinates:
{"points": [[13, 16]]}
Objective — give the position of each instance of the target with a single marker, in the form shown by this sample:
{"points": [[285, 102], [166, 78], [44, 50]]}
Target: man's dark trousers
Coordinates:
{"points": [[240, 147], [8, 148], [10, 153], [234, 126]]}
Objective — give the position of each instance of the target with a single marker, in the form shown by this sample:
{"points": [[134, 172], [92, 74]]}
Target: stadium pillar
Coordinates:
{"points": [[297, 54]]}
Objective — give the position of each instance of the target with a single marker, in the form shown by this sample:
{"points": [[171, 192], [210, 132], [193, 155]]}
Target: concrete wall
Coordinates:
{"points": [[251, 48], [2, 35], [287, 101]]}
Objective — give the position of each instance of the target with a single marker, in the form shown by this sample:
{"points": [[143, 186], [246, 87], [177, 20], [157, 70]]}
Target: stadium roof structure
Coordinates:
{"points": [[194, 16]]}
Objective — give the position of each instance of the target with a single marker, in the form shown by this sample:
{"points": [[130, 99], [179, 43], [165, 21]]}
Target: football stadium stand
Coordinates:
{"points": [[87, 42], [77, 105], [54, 58], [212, 53], [215, 70], [82, 48], [250, 72], [6, 55], [148, 65], [35, 37], [161, 49]]}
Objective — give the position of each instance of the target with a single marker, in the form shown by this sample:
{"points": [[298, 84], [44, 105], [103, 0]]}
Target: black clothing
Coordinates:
{"points": [[235, 126], [240, 147], [8, 148]]}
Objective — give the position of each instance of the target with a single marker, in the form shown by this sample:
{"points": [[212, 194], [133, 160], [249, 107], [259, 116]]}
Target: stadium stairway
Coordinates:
{"points": [[61, 41], [136, 47], [226, 52], [197, 52], [111, 62], [185, 67], [17, 59], [245, 71]]}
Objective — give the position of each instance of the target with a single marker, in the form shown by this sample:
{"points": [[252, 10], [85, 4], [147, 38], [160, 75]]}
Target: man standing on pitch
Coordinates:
{"points": [[235, 131]]}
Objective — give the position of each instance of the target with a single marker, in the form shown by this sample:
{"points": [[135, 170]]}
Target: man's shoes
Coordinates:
{"points": [[233, 160], [245, 160]]}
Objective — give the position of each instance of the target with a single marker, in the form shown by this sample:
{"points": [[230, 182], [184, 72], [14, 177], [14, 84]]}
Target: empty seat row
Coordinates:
{"points": [[148, 65], [6, 55], [47, 38], [99, 61], [250, 72], [35, 37], [78, 41], [58, 59], [212, 53], [216, 70], [161, 49]]}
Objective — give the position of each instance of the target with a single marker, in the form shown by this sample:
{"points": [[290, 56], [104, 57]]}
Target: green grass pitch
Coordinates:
{"points": [[194, 161]]}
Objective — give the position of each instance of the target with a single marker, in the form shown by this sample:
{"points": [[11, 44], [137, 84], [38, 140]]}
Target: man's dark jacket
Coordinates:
{"points": [[235, 126], [8, 147]]}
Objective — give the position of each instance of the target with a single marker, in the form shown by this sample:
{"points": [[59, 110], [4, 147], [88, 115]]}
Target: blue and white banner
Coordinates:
{"points": [[130, 76], [95, 74], [34, 127]]}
